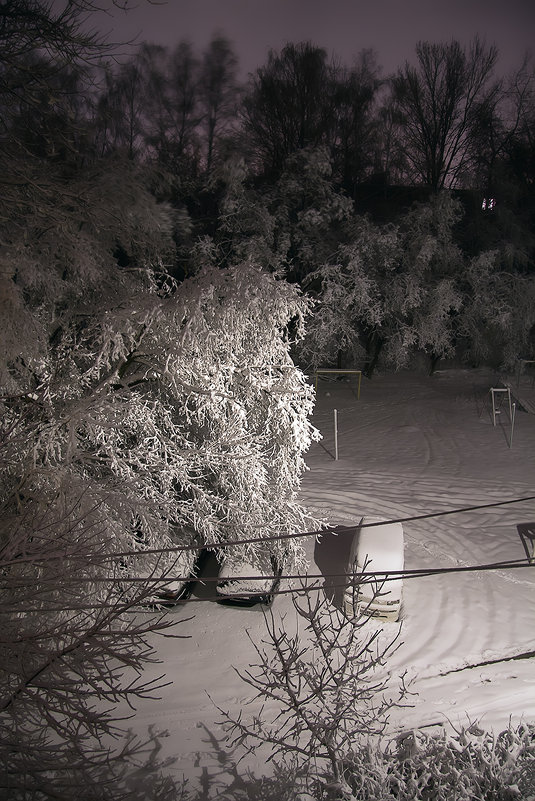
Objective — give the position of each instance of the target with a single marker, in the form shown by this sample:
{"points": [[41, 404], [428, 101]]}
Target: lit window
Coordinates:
{"points": [[488, 203]]}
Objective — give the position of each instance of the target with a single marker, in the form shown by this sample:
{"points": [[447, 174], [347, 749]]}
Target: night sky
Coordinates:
{"points": [[342, 27]]}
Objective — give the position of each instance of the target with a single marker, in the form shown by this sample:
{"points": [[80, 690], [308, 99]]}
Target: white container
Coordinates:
{"points": [[376, 548]]}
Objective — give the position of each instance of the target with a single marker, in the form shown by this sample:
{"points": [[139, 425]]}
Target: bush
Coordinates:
{"points": [[471, 766]]}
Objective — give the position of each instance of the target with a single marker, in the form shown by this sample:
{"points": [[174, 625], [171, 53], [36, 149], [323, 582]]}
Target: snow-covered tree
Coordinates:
{"points": [[434, 265], [70, 650], [311, 213], [498, 316], [248, 229], [292, 226], [204, 415], [68, 642], [351, 295], [390, 291], [137, 415]]}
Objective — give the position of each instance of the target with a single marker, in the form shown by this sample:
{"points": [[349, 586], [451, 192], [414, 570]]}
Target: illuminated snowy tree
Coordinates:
{"points": [[137, 415]]}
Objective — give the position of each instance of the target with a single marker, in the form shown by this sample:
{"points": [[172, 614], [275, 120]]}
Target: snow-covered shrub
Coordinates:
{"points": [[324, 700], [470, 766]]}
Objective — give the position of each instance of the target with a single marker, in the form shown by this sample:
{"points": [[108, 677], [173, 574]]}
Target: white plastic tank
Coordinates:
{"points": [[376, 548]]}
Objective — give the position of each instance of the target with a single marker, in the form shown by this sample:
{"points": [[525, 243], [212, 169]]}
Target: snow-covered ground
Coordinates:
{"points": [[411, 445]]}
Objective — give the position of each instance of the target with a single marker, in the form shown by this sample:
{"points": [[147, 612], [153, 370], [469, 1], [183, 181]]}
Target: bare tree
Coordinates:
{"points": [[354, 124], [122, 110], [321, 689], [504, 127], [389, 158], [31, 27], [218, 93], [439, 100], [39, 39], [288, 106], [171, 106], [150, 106], [179, 138]]}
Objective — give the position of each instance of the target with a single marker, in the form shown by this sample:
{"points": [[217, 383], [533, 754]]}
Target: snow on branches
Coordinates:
{"points": [[391, 289], [137, 416], [226, 410], [182, 405]]}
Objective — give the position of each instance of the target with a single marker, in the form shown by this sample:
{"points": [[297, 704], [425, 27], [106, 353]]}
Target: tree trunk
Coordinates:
{"points": [[374, 348], [435, 358]]}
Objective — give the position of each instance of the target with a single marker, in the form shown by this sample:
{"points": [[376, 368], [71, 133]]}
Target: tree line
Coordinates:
{"points": [[443, 119], [305, 136]]}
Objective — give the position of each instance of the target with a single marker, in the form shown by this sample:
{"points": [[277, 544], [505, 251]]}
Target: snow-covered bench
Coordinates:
{"points": [[187, 565], [243, 584]]}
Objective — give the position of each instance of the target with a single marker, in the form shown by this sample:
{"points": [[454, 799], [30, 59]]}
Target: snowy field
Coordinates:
{"points": [[411, 445]]}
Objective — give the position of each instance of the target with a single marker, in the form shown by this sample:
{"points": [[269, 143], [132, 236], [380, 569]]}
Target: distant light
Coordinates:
{"points": [[488, 203]]}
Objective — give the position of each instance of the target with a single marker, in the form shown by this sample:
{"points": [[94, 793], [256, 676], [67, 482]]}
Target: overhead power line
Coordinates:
{"points": [[319, 532], [364, 576], [275, 537], [359, 578]]}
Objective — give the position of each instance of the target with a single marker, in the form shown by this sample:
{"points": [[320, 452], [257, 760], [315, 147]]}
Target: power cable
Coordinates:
{"points": [[278, 537], [367, 577], [318, 533]]}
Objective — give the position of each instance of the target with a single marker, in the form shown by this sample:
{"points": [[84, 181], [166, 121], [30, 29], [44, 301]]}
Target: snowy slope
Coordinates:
{"points": [[410, 446]]}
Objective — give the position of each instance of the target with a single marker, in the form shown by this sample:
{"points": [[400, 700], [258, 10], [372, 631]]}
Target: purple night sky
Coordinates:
{"points": [[342, 27]]}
